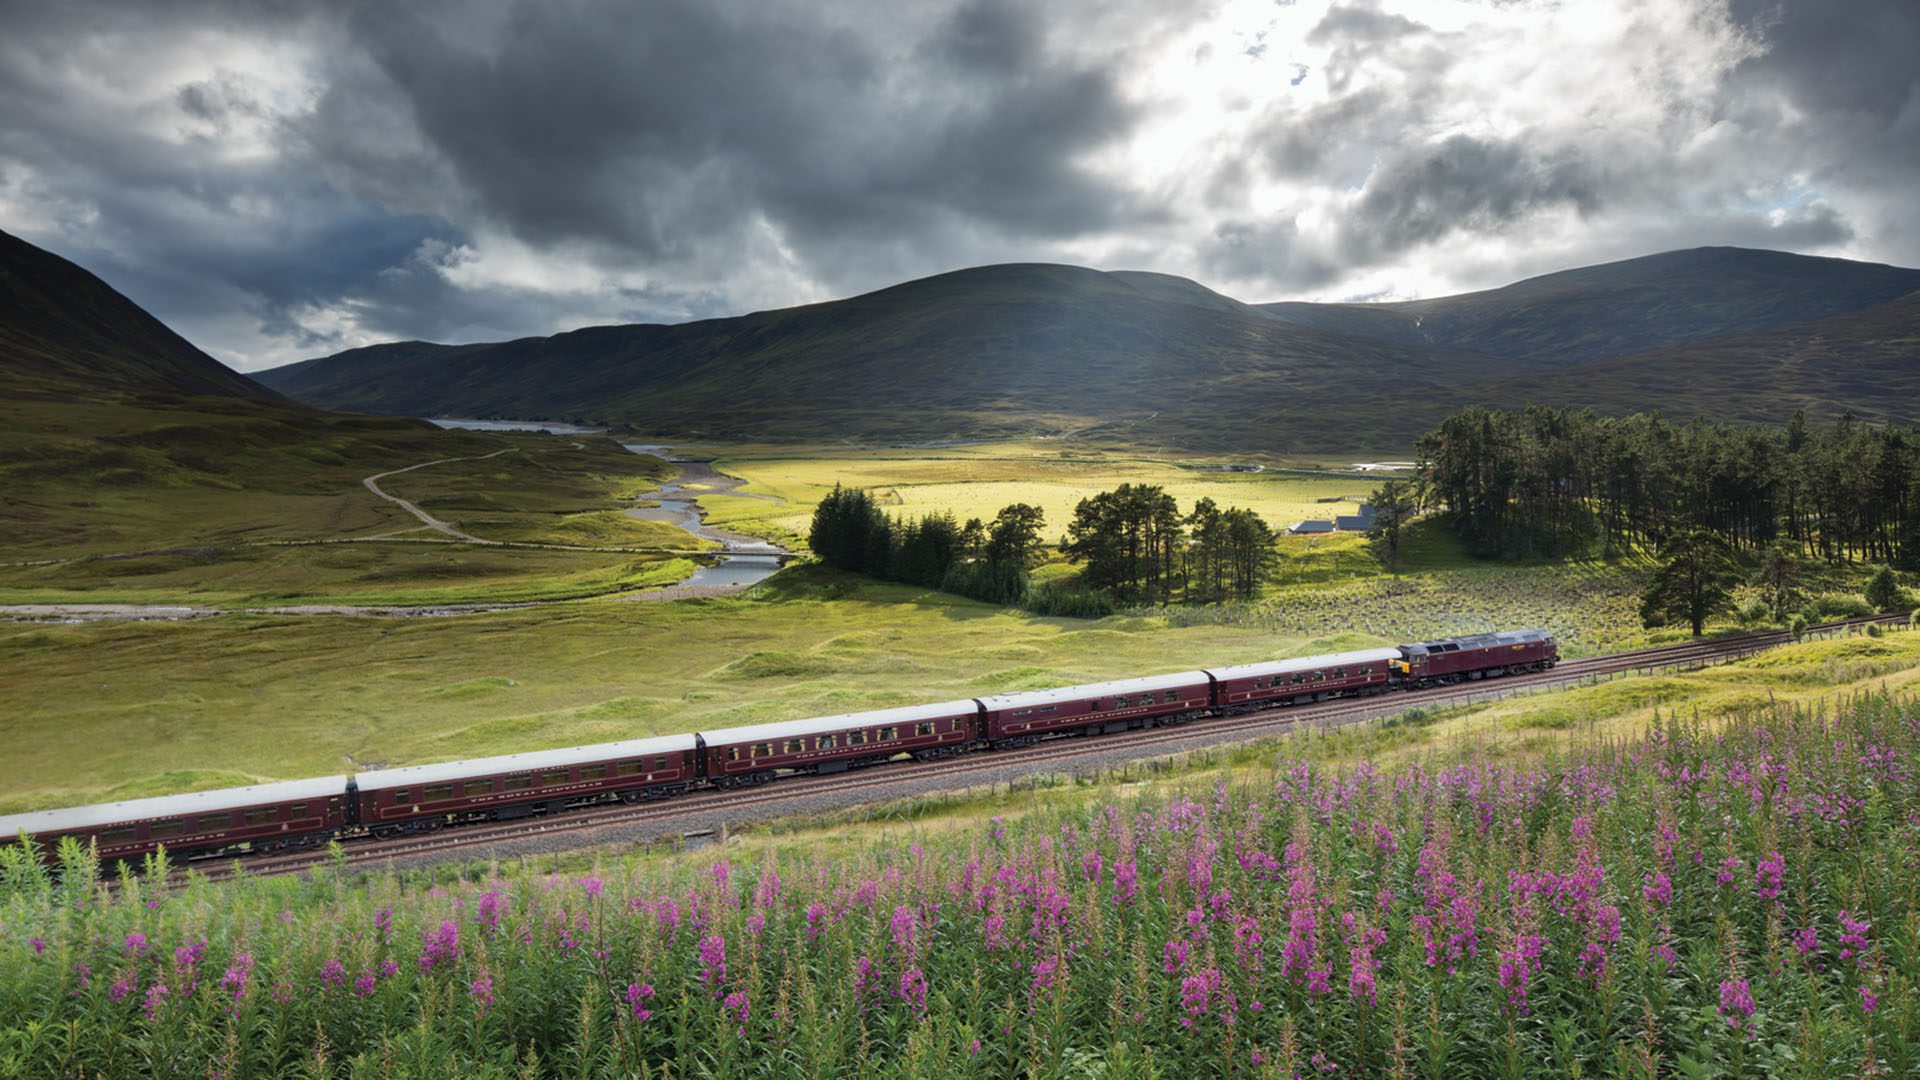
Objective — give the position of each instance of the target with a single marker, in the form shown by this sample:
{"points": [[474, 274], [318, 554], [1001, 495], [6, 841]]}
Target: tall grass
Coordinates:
{"points": [[1738, 901]]}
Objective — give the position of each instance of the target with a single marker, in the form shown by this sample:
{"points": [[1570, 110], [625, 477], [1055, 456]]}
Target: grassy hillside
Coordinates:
{"points": [[66, 334], [135, 468], [988, 352], [1868, 361], [1146, 359], [1633, 306]]}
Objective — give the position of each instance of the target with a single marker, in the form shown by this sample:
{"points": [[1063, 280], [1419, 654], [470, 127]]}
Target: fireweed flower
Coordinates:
{"points": [[439, 947], [363, 986], [737, 1008], [156, 998], [592, 886], [383, 923], [333, 974], [481, 990], [238, 975], [135, 944], [1769, 876], [1658, 890], [1853, 938], [638, 994], [1737, 1004], [713, 962], [39, 945], [487, 911], [1869, 1000]]}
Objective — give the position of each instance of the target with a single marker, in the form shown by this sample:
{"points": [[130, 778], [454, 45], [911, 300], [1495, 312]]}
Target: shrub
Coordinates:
{"points": [[1829, 607], [1052, 598], [1797, 626]]}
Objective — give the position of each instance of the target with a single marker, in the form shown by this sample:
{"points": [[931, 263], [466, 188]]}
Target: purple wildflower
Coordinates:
{"points": [[638, 994], [713, 962], [1737, 1004]]}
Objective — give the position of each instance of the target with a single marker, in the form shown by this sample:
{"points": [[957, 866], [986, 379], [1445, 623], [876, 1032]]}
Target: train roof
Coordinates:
{"points": [[1480, 641], [70, 818], [1303, 663], [532, 761], [1093, 690], [826, 725]]}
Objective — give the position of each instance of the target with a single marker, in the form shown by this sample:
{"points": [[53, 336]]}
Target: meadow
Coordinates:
{"points": [[977, 480], [1729, 895], [174, 535]]}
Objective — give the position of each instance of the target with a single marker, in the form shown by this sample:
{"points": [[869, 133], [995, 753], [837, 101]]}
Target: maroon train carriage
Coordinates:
{"points": [[1477, 656], [1302, 679], [1018, 719], [827, 744], [421, 798], [204, 824]]}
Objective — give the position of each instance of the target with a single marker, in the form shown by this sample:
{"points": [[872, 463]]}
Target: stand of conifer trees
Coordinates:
{"points": [[1557, 482]]}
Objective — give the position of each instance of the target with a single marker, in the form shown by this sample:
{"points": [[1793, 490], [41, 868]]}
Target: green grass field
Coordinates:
{"points": [[977, 480], [171, 706], [124, 505]]}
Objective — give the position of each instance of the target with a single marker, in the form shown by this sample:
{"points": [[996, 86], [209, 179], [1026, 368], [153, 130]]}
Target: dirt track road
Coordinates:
{"points": [[431, 522]]}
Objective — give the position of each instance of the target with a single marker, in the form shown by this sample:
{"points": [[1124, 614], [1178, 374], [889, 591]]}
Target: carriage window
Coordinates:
{"points": [[1121, 703], [263, 815], [1045, 709], [1169, 697], [479, 787], [556, 776], [1023, 712], [856, 738], [213, 823], [162, 829], [436, 792], [733, 753], [1339, 673], [796, 746], [923, 729], [122, 834], [592, 772], [400, 796], [632, 768], [659, 763], [888, 734], [297, 811], [824, 742], [1319, 676], [764, 749], [516, 783], [1366, 669]]}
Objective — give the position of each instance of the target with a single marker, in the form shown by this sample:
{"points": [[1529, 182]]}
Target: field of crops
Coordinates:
{"points": [[977, 481], [1728, 902]]}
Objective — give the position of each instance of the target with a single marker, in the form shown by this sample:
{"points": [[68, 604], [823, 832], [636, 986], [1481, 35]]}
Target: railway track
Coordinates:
{"points": [[1146, 743]]}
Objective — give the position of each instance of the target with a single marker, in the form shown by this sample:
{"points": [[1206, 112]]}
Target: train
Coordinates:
{"points": [[291, 815]]}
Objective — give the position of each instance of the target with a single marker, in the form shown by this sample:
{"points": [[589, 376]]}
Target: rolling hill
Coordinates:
{"points": [[117, 433], [1033, 349], [67, 334]]}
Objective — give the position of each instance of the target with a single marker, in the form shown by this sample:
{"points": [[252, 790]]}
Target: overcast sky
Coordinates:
{"points": [[284, 180]]}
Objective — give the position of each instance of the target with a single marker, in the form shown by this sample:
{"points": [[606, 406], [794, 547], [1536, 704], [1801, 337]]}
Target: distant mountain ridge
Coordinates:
{"points": [[66, 333], [1025, 349]]}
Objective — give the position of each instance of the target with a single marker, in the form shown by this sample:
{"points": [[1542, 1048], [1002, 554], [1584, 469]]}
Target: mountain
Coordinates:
{"points": [[1025, 349], [65, 333], [996, 350], [1617, 309], [116, 434], [1868, 360]]}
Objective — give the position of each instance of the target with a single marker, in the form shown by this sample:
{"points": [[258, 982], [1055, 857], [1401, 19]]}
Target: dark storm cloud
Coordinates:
{"points": [[673, 137], [1463, 184], [289, 177], [656, 129]]}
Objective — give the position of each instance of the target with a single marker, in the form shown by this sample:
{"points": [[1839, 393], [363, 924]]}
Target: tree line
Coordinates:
{"points": [[1557, 482], [1135, 545], [984, 560]]}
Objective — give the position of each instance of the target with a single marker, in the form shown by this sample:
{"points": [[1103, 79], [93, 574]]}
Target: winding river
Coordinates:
{"points": [[744, 560]]}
